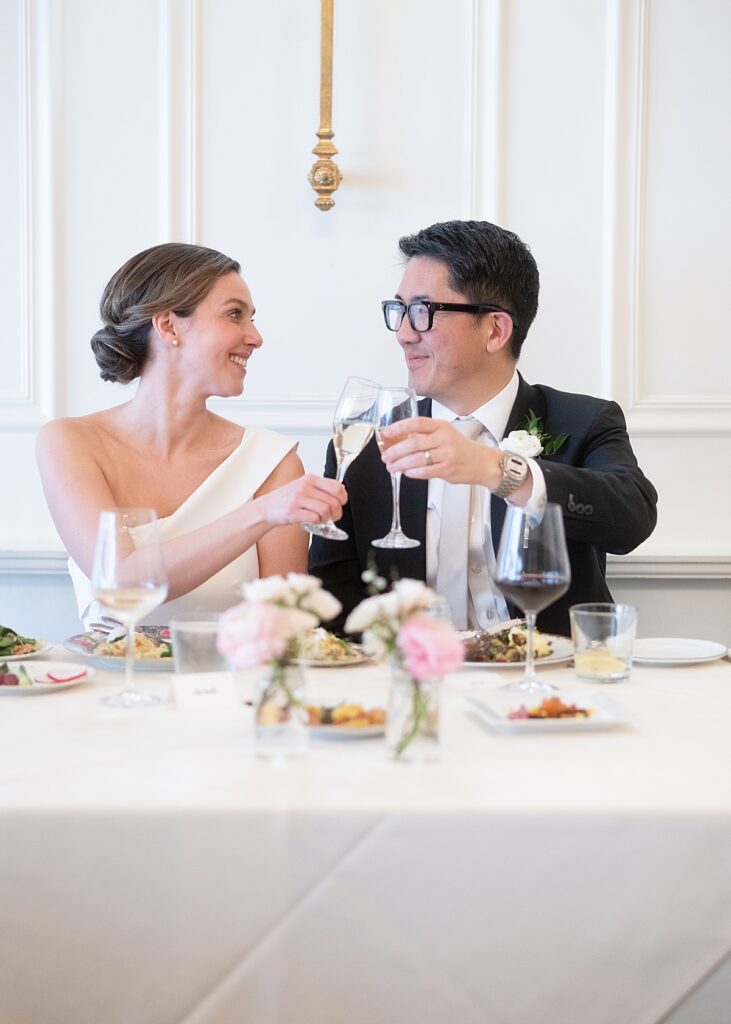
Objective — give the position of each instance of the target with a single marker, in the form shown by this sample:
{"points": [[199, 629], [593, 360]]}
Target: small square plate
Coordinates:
{"points": [[493, 711]]}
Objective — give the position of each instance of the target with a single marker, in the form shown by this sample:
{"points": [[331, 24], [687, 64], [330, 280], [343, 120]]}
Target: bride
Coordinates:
{"points": [[229, 499]]}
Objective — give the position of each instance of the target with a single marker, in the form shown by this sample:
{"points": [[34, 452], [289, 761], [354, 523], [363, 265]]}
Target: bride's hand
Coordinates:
{"points": [[308, 499]]}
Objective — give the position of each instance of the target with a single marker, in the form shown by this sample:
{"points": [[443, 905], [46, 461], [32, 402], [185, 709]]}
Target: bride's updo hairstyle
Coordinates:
{"points": [[166, 277]]}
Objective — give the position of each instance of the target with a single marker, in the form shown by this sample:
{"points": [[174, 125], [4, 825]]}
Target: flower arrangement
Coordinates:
{"points": [[532, 440], [267, 628], [424, 649], [267, 625]]}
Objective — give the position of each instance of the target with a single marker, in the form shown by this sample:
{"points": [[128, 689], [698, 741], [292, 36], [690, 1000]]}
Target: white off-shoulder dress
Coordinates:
{"points": [[230, 485]]}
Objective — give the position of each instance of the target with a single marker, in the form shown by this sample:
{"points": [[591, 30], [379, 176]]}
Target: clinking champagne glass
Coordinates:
{"points": [[128, 579], [394, 404], [353, 424], [532, 571]]}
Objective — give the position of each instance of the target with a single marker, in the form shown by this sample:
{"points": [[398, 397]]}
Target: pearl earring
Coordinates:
{"points": [[175, 342]]}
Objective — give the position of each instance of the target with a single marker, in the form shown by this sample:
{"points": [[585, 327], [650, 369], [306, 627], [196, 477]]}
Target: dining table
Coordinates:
{"points": [[155, 870]]}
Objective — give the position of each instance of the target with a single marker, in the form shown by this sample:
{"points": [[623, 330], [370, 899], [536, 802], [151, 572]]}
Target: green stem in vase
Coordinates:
{"points": [[278, 680], [420, 709]]}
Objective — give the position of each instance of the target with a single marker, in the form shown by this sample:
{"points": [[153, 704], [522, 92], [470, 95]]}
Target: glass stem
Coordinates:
{"points": [[396, 495], [339, 474], [130, 685], [530, 625]]}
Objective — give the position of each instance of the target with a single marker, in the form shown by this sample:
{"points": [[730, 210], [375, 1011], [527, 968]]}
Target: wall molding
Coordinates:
{"points": [[303, 414], [625, 149], [34, 402], [486, 106], [626, 567], [179, 113]]}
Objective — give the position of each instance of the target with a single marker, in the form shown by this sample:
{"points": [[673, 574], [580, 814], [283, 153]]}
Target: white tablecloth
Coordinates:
{"points": [[154, 871]]}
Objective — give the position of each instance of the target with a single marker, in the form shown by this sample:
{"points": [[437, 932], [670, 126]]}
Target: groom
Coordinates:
{"points": [[467, 298]]}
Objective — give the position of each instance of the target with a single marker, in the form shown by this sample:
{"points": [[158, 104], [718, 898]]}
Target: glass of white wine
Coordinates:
{"points": [[353, 426], [394, 404], [128, 579]]}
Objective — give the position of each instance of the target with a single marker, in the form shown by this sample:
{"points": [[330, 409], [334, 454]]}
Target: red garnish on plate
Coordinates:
{"points": [[64, 679]]}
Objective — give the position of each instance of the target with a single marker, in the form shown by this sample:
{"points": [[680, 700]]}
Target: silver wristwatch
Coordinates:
{"points": [[514, 469]]}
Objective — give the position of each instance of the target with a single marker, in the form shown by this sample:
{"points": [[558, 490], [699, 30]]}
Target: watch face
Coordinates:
{"points": [[514, 469]]}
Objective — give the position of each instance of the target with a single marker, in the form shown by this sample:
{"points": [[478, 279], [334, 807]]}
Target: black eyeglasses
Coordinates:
{"points": [[421, 313]]}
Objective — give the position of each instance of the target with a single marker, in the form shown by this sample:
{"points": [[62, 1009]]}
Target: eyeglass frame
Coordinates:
{"points": [[437, 307]]}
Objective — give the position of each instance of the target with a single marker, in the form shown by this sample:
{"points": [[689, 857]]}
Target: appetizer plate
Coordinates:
{"points": [[605, 714], [43, 648], [675, 651], [563, 650], [85, 644], [68, 673], [344, 732]]}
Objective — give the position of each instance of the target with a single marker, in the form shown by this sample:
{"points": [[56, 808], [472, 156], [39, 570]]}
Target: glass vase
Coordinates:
{"points": [[412, 723], [280, 724]]}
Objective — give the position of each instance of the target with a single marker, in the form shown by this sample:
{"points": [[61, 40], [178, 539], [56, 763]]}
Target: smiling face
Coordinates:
{"points": [[220, 335], [455, 362]]}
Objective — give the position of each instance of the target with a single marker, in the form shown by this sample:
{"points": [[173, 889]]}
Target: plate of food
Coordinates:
{"points": [[675, 651], [322, 649], [153, 649], [552, 714], [22, 678], [14, 647], [505, 648], [345, 721]]}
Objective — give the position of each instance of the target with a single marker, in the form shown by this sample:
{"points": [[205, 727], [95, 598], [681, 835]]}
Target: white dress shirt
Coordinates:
{"points": [[486, 605]]}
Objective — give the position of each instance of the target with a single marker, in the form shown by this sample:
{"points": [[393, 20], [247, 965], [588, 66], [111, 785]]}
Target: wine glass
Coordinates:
{"points": [[532, 571], [353, 424], [128, 579], [394, 404]]}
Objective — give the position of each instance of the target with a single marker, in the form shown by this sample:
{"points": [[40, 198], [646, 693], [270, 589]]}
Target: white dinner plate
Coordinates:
{"points": [[563, 650], [343, 732], [44, 648], [85, 644], [605, 714], [356, 658], [675, 651], [39, 672]]}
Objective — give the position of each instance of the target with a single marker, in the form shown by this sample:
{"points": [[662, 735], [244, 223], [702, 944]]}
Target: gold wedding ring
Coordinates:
{"points": [[427, 457]]}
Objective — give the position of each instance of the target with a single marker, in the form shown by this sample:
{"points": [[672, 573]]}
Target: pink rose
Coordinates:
{"points": [[431, 648], [252, 633]]}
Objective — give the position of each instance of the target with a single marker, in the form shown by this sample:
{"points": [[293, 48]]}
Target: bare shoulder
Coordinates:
{"points": [[72, 435], [288, 468]]}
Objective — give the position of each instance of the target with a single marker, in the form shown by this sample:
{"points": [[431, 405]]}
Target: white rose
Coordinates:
{"points": [[299, 621], [302, 584], [271, 588], [364, 615], [411, 595], [522, 443], [322, 604]]}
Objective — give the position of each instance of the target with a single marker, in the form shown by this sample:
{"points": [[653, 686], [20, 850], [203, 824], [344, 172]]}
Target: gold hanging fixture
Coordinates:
{"points": [[325, 175]]}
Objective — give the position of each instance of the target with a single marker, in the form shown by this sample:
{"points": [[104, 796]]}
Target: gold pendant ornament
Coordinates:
{"points": [[325, 175]]}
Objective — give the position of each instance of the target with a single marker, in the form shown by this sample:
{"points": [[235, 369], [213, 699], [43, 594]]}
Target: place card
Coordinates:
{"points": [[194, 691]]}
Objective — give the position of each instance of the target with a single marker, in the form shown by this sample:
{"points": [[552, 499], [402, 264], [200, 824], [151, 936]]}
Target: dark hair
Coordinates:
{"points": [[487, 264], [173, 276]]}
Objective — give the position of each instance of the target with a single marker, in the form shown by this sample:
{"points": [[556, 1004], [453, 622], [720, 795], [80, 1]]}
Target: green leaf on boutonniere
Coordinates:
{"points": [[534, 425]]}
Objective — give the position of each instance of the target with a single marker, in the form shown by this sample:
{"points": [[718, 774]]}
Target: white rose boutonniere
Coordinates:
{"points": [[532, 440]]}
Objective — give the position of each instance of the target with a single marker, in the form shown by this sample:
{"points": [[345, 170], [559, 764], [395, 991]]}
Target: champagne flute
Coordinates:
{"points": [[128, 579], [532, 571], [394, 404], [353, 424]]}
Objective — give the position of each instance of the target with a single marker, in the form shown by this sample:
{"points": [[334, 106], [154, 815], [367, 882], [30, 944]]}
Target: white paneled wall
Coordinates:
{"points": [[597, 129]]}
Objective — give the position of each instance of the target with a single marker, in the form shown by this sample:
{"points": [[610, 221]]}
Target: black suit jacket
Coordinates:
{"points": [[608, 504]]}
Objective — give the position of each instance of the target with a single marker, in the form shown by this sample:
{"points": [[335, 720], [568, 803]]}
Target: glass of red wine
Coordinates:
{"points": [[532, 572]]}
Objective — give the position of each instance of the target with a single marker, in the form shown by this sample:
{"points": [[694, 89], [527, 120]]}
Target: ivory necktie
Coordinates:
{"points": [[453, 538]]}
